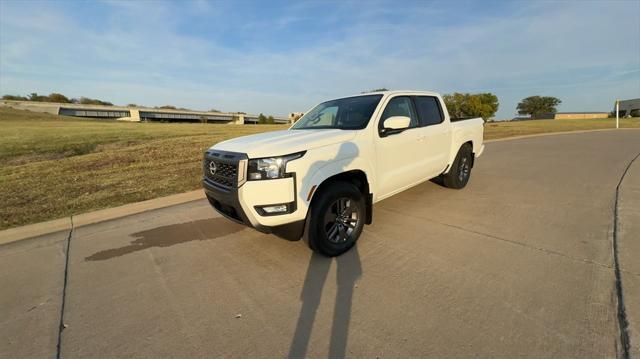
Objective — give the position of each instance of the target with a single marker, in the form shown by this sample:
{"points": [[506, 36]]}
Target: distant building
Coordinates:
{"points": [[295, 116], [629, 106], [520, 117], [136, 114], [570, 116]]}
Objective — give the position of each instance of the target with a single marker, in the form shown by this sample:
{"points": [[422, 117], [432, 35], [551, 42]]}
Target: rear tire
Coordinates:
{"points": [[336, 219], [460, 171]]}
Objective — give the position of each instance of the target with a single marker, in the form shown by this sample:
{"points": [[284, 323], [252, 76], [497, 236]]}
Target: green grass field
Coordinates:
{"points": [[55, 166]]}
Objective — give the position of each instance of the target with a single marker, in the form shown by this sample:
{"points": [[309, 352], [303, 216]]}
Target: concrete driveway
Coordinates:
{"points": [[518, 264]]}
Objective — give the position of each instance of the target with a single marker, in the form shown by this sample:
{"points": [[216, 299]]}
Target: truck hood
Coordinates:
{"points": [[278, 143]]}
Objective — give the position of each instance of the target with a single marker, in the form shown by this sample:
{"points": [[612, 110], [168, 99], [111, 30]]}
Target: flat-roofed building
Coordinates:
{"points": [[295, 116], [137, 114], [570, 115], [629, 108]]}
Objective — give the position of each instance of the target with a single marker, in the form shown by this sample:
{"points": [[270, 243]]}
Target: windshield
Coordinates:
{"points": [[351, 113]]}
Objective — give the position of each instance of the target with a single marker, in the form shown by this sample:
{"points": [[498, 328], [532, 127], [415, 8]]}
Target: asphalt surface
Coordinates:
{"points": [[518, 264]]}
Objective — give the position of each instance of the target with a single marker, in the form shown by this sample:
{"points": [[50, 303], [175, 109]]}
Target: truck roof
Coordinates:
{"points": [[397, 92]]}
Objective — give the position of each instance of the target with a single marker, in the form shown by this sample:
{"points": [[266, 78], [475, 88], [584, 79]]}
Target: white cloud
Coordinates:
{"points": [[585, 53]]}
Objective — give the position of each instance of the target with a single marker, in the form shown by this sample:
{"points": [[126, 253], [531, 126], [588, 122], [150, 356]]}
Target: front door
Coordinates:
{"points": [[400, 157]]}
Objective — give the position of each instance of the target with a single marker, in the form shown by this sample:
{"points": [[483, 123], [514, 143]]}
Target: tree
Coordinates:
{"points": [[213, 110], [35, 97], [58, 97], [167, 107], [14, 98], [91, 101], [376, 90], [537, 105], [483, 105], [264, 120]]}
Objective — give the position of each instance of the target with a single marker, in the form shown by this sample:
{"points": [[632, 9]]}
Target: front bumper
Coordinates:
{"points": [[225, 201], [240, 202], [228, 204]]}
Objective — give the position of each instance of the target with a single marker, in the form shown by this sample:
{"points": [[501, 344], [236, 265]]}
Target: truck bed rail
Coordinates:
{"points": [[456, 119]]}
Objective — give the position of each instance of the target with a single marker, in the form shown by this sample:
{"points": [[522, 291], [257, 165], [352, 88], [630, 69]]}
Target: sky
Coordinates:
{"points": [[277, 57]]}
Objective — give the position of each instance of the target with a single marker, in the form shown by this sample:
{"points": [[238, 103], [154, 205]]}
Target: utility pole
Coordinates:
{"points": [[617, 114]]}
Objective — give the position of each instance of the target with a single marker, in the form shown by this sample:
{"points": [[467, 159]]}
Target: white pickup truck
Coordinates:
{"points": [[319, 179]]}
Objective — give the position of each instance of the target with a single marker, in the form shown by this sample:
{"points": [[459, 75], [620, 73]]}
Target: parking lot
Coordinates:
{"points": [[517, 264]]}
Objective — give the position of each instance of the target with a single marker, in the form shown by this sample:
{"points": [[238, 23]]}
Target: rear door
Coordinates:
{"points": [[400, 156], [435, 134]]}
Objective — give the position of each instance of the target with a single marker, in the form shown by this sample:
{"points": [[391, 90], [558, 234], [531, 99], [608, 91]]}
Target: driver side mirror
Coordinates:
{"points": [[395, 124]]}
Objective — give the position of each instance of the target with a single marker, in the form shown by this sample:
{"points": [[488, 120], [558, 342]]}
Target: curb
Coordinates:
{"points": [[64, 224]]}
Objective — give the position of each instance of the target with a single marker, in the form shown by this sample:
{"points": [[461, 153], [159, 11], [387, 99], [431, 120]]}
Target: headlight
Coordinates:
{"points": [[270, 168]]}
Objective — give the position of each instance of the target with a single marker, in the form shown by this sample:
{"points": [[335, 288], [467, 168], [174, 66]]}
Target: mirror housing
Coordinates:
{"points": [[395, 124]]}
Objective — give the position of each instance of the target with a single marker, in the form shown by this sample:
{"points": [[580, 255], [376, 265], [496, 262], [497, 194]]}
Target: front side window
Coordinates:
{"points": [[351, 113], [399, 106], [428, 110]]}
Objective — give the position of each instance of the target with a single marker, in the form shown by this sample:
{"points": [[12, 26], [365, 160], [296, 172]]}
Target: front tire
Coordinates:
{"points": [[460, 171], [336, 219]]}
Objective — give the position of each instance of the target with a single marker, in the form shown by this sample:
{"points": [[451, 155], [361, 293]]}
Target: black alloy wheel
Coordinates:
{"points": [[460, 171], [335, 219], [341, 220], [464, 168]]}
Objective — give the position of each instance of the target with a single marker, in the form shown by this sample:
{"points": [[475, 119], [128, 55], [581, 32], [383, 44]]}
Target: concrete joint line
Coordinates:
{"points": [[62, 325], [623, 322]]}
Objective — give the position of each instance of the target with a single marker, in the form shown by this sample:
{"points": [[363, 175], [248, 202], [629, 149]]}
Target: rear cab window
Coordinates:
{"points": [[429, 110]]}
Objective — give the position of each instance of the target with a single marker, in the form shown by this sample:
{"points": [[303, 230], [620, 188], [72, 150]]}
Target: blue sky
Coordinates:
{"points": [[277, 57]]}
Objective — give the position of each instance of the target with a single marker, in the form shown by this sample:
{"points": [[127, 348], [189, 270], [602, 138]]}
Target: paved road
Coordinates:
{"points": [[518, 264]]}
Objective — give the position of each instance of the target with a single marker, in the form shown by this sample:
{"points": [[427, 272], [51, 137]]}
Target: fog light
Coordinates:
{"points": [[275, 209]]}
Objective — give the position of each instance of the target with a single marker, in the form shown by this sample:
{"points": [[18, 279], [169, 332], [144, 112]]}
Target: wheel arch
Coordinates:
{"points": [[453, 155], [357, 177]]}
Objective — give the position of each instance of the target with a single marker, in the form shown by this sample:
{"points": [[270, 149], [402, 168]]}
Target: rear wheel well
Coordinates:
{"points": [[359, 179]]}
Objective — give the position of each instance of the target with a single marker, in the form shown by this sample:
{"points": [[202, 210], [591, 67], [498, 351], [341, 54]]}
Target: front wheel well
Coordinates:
{"points": [[359, 179]]}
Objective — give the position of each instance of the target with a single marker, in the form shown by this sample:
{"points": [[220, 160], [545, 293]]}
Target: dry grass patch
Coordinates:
{"points": [[495, 130], [68, 166]]}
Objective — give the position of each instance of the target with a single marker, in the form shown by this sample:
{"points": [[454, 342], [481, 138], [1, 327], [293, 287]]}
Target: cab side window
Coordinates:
{"points": [[429, 110], [399, 106]]}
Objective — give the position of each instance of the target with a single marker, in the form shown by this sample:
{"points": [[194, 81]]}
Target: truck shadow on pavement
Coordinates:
{"points": [[166, 236], [349, 270]]}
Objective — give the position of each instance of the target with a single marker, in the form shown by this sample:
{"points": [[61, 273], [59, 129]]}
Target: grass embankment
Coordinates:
{"points": [[54, 166], [495, 130]]}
